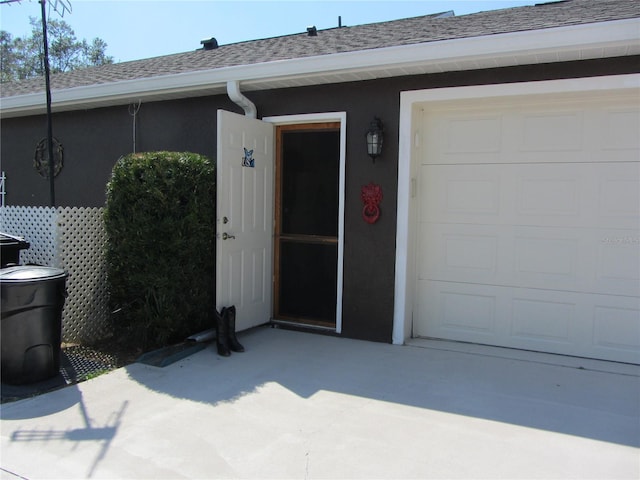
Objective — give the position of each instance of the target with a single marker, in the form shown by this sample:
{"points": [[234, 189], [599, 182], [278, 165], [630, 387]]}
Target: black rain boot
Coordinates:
{"points": [[222, 334], [230, 314]]}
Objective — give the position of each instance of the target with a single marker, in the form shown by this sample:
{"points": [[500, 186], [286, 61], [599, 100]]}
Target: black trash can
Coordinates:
{"points": [[31, 299], [10, 247]]}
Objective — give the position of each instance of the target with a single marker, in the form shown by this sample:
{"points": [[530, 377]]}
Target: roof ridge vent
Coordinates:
{"points": [[312, 31], [544, 4], [447, 14], [209, 44]]}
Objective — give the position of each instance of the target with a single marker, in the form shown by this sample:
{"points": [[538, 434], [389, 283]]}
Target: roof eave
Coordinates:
{"points": [[579, 42]]}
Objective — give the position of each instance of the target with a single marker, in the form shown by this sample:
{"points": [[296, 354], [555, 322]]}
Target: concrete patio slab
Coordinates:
{"points": [[299, 405]]}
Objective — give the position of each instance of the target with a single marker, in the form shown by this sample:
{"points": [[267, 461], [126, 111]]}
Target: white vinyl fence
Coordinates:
{"points": [[72, 239]]}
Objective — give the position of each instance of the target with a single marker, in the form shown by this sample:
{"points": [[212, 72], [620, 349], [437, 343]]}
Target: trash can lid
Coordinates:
{"points": [[11, 240], [30, 273]]}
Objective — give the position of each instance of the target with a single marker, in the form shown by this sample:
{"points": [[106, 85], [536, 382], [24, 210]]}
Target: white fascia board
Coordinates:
{"points": [[501, 49], [128, 90]]}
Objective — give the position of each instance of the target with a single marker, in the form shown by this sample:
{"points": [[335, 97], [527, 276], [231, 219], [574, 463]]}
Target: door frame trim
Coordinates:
{"points": [[412, 103], [340, 117]]}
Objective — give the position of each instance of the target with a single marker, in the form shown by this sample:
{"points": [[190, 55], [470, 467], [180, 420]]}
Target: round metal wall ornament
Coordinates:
{"points": [[41, 158]]}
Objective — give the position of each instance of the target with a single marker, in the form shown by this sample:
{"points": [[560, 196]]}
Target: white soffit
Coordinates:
{"points": [[580, 42]]}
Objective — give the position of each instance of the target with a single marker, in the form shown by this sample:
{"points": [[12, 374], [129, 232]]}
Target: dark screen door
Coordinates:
{"points": [[306, 238]]}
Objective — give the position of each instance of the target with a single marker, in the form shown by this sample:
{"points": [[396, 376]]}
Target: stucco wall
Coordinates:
{"points": [[94, 139]]}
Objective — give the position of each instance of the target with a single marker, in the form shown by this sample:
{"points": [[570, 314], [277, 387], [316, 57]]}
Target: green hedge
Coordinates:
{"points": [[160, 222]]}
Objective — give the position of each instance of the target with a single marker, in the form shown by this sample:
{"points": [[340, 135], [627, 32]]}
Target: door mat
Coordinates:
{"points": [[171, 354]]}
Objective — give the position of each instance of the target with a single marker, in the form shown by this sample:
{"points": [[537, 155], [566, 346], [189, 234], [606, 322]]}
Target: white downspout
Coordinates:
{"points": [[233, 90]]}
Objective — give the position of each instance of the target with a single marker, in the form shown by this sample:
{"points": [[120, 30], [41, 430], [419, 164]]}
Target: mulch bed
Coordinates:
{"points": [[77, 363]]}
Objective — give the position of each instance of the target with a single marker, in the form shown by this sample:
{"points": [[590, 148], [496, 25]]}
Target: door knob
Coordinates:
{"points": [[225, 220], [226, 236]]}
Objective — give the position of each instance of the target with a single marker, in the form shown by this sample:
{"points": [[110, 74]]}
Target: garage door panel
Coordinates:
{"points": [[597, 261], [557, 322], [617, 195], [549, 258], [472, 134], [616, 328], [549, 191], [505, 194], [461, 253], [574, 323], [505, 137], [530, 257], [575, 133], [466, 138], [618, 209], [506, 316], [459, 311], [528, 225], [536, 319], [618, 262], [620, 197], [563, 132], [470, 195], [620, 129], [575, 195]]}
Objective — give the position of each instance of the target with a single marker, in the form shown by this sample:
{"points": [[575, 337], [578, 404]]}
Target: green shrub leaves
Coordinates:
{"points": [[160, 221]]}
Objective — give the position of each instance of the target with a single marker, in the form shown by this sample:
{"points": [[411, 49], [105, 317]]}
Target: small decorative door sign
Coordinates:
{"points": [[371, 197], [248, 160]]}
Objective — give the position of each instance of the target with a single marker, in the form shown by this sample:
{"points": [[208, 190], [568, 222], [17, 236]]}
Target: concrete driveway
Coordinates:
{"points": [[299, 405]]}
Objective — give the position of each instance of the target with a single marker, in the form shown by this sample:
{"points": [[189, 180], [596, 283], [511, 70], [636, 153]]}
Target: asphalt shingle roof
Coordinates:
{"points": [[416, 30]]}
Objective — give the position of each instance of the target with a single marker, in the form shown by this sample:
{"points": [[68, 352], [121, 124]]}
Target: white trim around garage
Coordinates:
{"points": [[413, 101]]}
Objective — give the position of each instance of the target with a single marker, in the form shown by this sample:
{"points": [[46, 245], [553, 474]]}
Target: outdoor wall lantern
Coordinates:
{"points": [[375, 136]]}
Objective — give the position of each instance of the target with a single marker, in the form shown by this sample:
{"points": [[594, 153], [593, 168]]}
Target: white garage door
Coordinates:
{"points": [[529, 225]]}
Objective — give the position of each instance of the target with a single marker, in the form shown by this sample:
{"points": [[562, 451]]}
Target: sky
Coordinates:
{"points": [[137, 29]]}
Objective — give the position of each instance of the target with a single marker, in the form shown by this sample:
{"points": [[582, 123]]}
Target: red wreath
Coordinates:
{"points": [[371, 196]]}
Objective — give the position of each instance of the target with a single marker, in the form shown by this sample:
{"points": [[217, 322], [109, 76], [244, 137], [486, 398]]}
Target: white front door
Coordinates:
{"points": [[244, 238]]}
